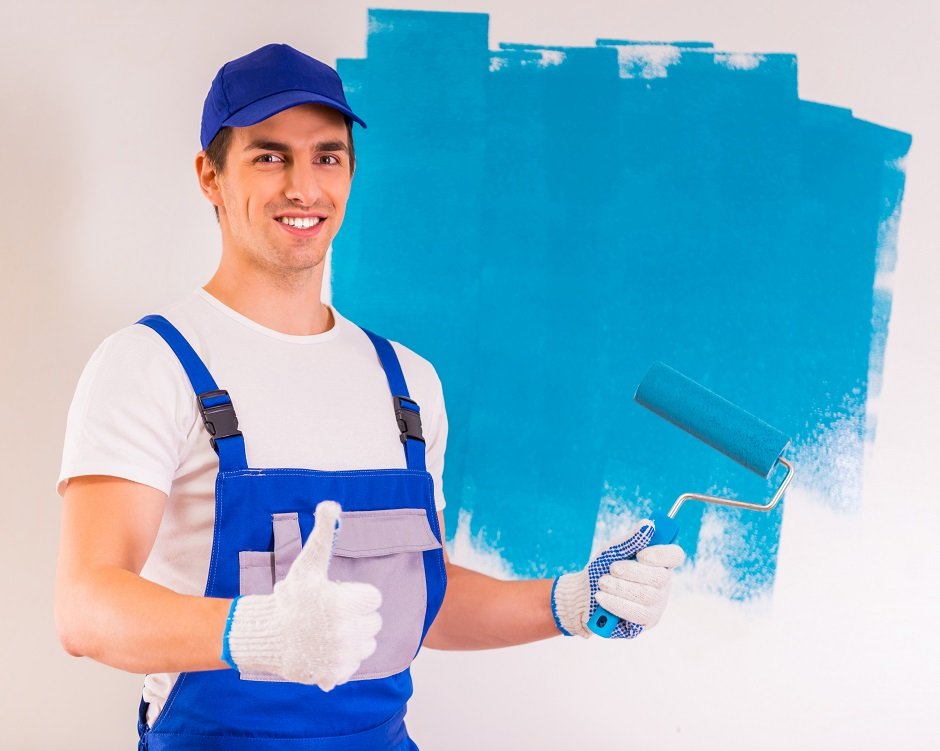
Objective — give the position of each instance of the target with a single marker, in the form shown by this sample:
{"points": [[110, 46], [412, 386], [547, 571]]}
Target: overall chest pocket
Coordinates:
{"points": [[383, 548]]}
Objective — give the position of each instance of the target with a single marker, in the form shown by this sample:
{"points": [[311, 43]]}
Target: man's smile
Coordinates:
{"points": [[304, 225]]}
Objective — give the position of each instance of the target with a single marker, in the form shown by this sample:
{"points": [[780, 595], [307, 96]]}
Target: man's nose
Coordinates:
{"points": [[302, 184]]}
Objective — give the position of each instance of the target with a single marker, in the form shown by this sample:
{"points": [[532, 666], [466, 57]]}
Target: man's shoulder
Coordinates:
{"points": [[137, 349], [419, 372], [423, 380], [412, 362], [408, 357], [133, 344]]}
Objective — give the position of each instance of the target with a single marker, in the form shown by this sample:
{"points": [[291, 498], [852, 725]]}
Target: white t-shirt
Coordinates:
{"points": [[312, 402]]}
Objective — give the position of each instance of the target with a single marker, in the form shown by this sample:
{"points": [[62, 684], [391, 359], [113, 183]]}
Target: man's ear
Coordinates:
{"points": [[208, 180]]}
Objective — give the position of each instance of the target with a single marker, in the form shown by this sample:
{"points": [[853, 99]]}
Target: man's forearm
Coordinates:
{"points": [[116, 617], [120, 619], [104, 609], [480, 612]]}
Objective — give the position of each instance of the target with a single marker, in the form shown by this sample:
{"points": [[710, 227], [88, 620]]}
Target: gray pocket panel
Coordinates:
{"points": [[255, 572], [287, 543], [367, 533], [385, 549]]}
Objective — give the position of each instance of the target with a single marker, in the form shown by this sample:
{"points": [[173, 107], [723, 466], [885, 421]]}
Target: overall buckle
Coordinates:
{"points": [[409, 418], [220, 419]]}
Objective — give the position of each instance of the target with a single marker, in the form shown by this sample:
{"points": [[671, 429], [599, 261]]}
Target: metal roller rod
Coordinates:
{"points": [[736, 504]]}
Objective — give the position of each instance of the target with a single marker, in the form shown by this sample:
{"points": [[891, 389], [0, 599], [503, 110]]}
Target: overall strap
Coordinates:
{"points": [[215, 405], [407, 411]]}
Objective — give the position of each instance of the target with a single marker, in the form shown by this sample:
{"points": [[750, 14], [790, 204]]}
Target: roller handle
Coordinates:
{"points": [[665, 531]]}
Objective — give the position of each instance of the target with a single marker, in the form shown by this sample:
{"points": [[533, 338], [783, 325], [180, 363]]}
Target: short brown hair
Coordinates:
{"points": [[217, 150]]}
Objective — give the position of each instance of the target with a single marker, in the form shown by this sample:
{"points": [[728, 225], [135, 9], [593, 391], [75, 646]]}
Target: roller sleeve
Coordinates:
{"points": [[724, 426]]}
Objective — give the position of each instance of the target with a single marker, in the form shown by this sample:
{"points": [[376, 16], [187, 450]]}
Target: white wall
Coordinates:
{"points": [[102, 221]]}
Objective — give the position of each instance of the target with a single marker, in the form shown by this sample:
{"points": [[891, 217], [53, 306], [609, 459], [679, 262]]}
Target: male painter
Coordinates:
{"points": [[252, 484]]}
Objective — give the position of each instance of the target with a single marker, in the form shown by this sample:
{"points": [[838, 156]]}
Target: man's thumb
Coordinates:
{"points": [[317, 551]]}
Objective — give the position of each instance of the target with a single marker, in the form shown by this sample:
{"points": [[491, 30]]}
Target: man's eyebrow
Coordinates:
{"points": [[267, 146], [331, 146], [262, 145]]}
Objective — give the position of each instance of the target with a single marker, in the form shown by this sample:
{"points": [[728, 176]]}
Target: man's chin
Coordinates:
{"points": [[298, 263]]}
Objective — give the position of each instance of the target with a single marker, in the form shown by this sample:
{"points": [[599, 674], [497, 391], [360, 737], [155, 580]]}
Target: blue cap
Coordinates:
{"points": [[264, 82]]}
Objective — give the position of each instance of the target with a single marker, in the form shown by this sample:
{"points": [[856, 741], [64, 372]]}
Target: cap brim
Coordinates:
{"points": [[271, 105]]}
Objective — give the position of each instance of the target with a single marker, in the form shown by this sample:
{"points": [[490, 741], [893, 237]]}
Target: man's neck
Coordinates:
{"points": [[290, 308]]}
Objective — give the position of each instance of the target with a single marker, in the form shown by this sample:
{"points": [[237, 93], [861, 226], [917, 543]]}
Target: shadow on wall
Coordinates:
{"points": [[544, 223]]}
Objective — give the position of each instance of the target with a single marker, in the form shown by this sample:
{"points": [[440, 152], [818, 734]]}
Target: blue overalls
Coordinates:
{"points": [[388, 536]]}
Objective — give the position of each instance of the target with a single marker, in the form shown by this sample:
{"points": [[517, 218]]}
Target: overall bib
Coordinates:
{"points": [[388, 536]]}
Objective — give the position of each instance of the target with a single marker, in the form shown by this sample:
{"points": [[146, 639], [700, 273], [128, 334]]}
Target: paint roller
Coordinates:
{"points": [[724, 426]]}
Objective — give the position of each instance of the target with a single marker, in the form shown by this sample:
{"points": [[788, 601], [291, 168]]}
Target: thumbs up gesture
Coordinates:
{"points": [[310, 629]]}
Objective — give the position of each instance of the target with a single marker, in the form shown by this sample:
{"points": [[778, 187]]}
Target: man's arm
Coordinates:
{"points": [[480, 612], [103, 608]]}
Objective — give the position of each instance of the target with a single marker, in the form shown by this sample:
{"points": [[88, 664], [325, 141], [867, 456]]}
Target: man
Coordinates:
{"points": [[209, 558]]}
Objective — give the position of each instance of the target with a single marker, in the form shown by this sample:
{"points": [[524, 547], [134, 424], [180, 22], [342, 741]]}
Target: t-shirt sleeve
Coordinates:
{"points": [[130, 414], [436, 437]]}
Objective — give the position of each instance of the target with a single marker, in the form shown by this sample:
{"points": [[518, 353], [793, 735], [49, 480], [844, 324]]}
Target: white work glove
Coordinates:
{"points": [[310, 629], [634, 590]]}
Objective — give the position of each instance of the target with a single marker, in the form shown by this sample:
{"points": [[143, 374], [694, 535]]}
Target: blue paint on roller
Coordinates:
{"points": [[724, 426], [567, 216]]}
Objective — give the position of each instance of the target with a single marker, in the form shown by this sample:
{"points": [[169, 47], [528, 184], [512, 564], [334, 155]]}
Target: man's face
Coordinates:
{"points": [[284, 189]]}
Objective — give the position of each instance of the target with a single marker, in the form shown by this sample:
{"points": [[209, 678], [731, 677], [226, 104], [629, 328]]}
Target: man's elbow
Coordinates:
{"points": [[69, 622], [68, 637], [71, 647]]}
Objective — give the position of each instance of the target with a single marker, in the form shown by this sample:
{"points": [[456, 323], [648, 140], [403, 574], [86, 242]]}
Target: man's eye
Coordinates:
{"points": [[269, 159], [327, 159]]}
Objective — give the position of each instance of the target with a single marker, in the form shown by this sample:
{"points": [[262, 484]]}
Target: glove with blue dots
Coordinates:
{"points": [[627, 579]]}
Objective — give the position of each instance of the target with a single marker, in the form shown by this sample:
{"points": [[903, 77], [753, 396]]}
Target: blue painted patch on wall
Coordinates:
{"points": [[544, 223]]}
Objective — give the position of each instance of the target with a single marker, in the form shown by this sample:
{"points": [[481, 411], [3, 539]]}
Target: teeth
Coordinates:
{"points": [[300, 223]]}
